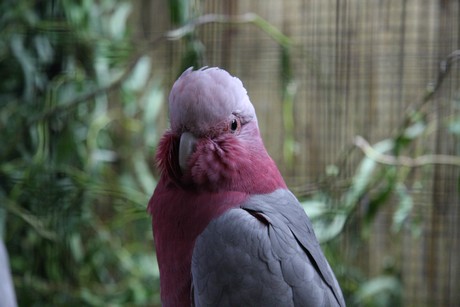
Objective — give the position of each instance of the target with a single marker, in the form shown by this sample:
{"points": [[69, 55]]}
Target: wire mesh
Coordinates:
{"points": [[357, 68]]}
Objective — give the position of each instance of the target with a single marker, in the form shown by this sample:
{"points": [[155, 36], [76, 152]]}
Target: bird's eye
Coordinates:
{"points": [[235, 125]]}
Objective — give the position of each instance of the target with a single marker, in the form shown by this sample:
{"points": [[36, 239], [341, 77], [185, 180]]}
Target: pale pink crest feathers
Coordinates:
{"points": [[211, 160], [201, 99]]}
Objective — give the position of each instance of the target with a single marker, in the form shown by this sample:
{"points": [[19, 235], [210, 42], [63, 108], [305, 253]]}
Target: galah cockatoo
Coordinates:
{"points": [[227, 230]]}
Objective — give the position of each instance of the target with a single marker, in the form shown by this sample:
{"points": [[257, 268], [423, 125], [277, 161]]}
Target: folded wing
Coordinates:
{"points": [[264, 253]]}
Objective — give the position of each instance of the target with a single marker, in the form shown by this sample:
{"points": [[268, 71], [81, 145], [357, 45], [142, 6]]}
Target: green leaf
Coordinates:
{"points": [[454, 126], [27, 62], [404, 209], [118, 20], [140, 75], [380, 198], [179, 11], [314, 208], [327, 223], [328, 229], [151, 103], [382, 291], [415, 130], [365, 174], [143, 173], [76, 247]]}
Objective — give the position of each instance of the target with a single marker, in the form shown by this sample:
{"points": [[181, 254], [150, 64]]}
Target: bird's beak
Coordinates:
{"points": [[186, 148]]}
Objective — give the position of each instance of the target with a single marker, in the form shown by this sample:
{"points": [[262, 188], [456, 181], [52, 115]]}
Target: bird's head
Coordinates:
{"points": [[214, 141]]}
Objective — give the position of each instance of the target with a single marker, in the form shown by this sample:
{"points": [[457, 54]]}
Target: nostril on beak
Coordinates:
{"points": [[186, 148]]}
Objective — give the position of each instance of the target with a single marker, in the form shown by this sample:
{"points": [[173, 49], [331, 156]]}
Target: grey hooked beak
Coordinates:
{"points": [[186, 148]]}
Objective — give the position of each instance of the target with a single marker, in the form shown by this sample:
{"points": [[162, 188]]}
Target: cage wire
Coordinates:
{"points": [[353, 68]]}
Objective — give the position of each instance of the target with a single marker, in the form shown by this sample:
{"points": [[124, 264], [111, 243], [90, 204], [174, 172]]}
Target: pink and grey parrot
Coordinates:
{"points": [[227, 230]]}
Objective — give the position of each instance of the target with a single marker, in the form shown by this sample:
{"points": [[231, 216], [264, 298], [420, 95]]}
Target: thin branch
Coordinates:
{"points": [[30, 219], [175, 34], [379, 157], [90, 95], [443, 70], [251, 18]]}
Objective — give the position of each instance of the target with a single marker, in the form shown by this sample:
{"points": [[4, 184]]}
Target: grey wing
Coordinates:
{"points": [[249, 258], [284, 210]]}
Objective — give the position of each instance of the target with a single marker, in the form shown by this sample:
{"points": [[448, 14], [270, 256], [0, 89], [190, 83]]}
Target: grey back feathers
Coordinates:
{"points": [[264, 253]]}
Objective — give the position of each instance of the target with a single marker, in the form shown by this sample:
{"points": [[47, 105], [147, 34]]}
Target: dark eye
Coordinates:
{"points": [[234, 125]]}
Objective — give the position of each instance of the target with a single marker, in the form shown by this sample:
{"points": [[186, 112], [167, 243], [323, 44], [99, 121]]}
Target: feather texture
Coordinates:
{"points": [[263, 253], [203, 98], [221, 212]]}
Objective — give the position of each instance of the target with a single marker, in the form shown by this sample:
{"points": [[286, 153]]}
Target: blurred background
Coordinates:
{"points": [[358, 102]]}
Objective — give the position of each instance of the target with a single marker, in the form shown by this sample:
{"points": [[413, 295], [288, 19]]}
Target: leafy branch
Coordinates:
{"points": [[386, 181], [172, 35], [248, 18], [382, 158]]}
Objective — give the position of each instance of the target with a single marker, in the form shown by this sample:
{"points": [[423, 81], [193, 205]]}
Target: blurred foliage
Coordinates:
{"points": [[383, 178], [181, 13], [78, 104], [289, 90], [77, 114]]}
